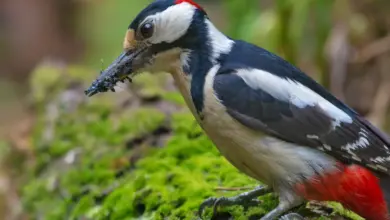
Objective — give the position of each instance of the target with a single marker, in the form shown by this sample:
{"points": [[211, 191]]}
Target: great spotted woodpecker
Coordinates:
{"points": [[268, 118]]}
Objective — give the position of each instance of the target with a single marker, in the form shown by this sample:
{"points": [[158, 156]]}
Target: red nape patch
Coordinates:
{"points": [[353, 186], [189, 2]]}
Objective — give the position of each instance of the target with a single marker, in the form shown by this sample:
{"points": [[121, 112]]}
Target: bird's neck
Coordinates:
{"points": [[207, 48], [218, 42], [210, 45]]}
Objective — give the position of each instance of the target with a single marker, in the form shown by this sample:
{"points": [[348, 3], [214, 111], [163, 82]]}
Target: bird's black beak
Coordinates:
{"points": [[133, 58], [118, 71]]}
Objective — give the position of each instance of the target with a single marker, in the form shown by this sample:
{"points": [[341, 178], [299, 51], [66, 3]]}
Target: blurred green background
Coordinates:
{"points": [[128, 144]]}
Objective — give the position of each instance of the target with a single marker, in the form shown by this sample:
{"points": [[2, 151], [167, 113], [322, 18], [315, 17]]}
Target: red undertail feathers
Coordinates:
{"points": [[354, 186]]}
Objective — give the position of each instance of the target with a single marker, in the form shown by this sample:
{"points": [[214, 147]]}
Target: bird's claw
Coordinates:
{"points": [[245, 199], [213, 201], [224, 201]]}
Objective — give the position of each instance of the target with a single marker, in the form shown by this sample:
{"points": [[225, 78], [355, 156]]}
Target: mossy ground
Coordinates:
{"points": [[110, 157]]}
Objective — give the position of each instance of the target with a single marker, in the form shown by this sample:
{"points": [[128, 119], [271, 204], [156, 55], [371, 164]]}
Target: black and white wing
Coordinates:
{"points": [[284, 107]]}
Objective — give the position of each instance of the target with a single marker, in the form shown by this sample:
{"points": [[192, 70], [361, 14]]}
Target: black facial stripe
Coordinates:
{"points": [[195, 40]]}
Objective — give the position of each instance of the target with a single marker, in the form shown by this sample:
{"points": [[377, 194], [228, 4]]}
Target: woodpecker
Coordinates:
{"points": [[268, 118]]}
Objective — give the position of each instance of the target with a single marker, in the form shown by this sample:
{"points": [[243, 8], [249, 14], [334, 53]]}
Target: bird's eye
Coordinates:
{"points": [[146, 30]]}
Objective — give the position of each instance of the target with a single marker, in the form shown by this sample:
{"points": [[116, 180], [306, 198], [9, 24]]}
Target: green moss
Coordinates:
{"points": [[168, 183], [174, 97], [43, 79], [138, 122], [4, 150], [49, 79], [340, 210], [172, 182], [150, 85]]}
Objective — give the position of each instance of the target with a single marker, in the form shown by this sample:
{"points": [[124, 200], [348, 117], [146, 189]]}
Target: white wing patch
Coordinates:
{"points": [[362, 142], [381, 159], [312, 136], [291, 91]]}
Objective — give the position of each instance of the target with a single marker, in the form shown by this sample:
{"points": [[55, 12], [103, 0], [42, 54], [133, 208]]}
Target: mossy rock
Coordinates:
{"points": [[103, 162]]}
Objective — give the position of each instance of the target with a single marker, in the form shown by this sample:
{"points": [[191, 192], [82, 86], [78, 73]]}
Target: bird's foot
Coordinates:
{"points": [[245, 199], [284, 206]]}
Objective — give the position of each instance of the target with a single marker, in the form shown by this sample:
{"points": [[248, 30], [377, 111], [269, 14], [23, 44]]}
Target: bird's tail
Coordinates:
{"points": [[356, 187]]}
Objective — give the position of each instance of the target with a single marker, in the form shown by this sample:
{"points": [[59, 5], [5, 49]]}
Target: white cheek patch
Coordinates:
{"points": [[291, 91], [172, 23]]}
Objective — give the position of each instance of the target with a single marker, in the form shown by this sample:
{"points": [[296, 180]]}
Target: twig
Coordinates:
{"points": [[232, 188]]}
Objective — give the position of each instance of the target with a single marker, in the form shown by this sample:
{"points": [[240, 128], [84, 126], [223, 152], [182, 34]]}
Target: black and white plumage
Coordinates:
{"points": [[270, 95], [270, 120]]}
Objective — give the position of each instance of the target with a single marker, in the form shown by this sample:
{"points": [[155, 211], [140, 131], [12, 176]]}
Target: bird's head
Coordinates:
{"points": [[155, 41]]}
